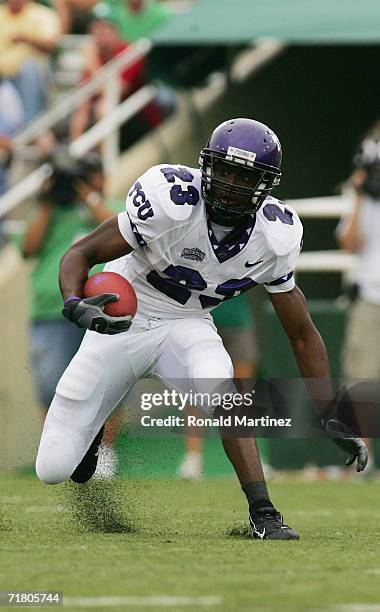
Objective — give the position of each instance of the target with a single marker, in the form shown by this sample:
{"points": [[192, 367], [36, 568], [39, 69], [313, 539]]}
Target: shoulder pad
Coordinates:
{"points": [[280, 225]]}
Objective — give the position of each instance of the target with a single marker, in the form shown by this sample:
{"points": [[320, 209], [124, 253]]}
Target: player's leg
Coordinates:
{"points": [[91, 387], [193, 351], [240, 343]]}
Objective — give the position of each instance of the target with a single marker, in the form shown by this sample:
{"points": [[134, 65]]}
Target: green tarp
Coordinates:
{"points": [[235, 22]]}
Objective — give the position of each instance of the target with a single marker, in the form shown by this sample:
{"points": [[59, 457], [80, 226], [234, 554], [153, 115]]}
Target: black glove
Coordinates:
{"points": [[345, 438], [89, 313]]}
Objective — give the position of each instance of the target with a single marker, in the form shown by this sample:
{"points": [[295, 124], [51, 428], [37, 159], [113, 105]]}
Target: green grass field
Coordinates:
{"points": [[165, 545]]}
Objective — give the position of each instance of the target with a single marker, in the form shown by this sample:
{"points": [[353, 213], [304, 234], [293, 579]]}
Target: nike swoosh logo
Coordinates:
{"points": [[260, 534], [250, 265]]}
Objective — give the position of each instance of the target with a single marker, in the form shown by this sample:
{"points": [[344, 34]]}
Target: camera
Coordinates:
{"points": [[368, 158], [371, 185], [65, 173]]}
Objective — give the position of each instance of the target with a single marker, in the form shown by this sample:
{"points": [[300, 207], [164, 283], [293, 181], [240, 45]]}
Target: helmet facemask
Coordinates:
{"points": [[234, 188]]}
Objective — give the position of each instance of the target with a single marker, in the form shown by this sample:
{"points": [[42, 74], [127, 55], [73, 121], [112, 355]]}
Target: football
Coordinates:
{"points": [[111, 282]]}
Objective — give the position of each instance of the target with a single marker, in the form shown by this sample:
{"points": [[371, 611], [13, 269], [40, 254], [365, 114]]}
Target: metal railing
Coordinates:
{"points": [[331, 261], [110, 123], [327, 207], [105, 76], [29, 185]]}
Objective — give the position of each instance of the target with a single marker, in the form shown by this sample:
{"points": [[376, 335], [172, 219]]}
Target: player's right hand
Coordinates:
{"points": [[345, 438], [88, 313]]}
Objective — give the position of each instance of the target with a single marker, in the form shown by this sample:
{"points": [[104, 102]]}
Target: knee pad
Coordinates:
{"points": [[83, 375], [81, 389], [56, 459]]}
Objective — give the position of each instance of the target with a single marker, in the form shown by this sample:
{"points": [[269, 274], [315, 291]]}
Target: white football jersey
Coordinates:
{"points": [[178, 268]]}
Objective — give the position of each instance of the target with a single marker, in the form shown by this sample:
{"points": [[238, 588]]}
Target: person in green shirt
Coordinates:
{"points": [[71, 205], [138, 18]]}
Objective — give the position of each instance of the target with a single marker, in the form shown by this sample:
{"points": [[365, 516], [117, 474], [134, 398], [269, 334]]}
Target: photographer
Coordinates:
{"points": [[359, 233], [71, 205]]}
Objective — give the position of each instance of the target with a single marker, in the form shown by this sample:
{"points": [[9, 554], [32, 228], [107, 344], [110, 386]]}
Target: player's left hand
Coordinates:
{"points": [[88, 313], [347, 441]]}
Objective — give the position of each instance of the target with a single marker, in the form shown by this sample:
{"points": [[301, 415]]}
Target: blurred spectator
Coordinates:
{"points": [[138, 18], [359, 233], [29, 34], [71, 205], [11, 119], [106, 44], [75, 15], [235, 325]]}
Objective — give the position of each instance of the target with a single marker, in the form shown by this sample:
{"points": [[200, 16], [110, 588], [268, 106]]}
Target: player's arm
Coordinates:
{"points": [[104, 244], [311, 356], [307, 344]]}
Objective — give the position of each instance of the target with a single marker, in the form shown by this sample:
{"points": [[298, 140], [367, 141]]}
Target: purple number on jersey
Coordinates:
{"points": [[178, 195], [180, 283], [230, 287], [181, 196], [273, 212], [182, 173]]}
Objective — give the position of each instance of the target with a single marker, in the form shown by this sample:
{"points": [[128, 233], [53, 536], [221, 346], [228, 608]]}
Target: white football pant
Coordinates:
{"points": [[104, 370]]}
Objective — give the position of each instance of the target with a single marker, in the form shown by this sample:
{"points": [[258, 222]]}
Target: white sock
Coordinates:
{"points": [[107, 462]]}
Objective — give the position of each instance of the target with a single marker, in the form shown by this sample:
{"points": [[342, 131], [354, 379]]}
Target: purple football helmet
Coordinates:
{"points": [[240, 166]]}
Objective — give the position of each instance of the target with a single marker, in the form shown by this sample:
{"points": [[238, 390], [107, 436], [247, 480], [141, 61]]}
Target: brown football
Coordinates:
{"points": [[111, 282]]}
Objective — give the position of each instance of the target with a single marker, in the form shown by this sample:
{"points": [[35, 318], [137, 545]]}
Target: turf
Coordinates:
{"points": [[168, 538]]}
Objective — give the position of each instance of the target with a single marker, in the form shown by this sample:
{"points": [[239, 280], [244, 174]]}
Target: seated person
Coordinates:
{"points": [[105, 45], [29, 35], [11, 119]]}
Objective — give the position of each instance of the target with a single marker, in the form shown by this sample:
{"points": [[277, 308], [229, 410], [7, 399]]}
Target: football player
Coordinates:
{"points": [[188, 239]]}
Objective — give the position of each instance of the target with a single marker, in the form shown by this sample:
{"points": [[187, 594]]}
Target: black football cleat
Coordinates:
{"points": [[268, 524], [85, 470]]}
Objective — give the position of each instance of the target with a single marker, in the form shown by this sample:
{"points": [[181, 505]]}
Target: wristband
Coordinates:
{"points": [[71, 298]]}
